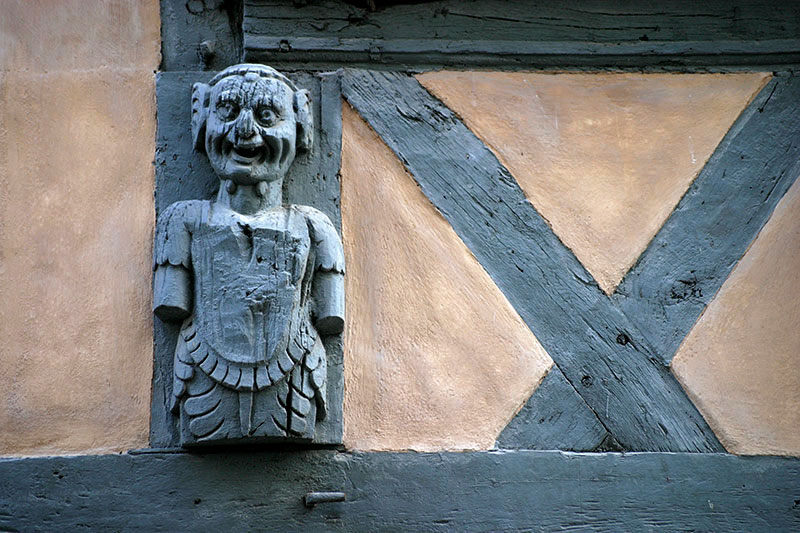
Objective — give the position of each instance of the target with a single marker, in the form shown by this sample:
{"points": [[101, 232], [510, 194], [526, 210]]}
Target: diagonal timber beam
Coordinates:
{"points": [[712, 226], [599, 350]]}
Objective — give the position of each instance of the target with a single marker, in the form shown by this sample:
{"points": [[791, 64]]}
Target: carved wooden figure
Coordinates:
{"points": [[254, 282]]}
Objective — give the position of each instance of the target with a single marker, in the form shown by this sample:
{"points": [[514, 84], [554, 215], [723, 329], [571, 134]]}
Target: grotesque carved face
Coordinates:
{"points": [[251, 129]]}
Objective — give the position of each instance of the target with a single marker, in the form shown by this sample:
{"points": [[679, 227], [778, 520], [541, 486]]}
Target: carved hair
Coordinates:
{"points": [[244, 68], [301, 103]]}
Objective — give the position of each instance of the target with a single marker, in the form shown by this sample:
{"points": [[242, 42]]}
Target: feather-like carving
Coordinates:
{"points": [[193, 344], [205, 409], [183, 372], [318, 378], [247, 381], [173, 240], [296, 410], [295, 350], [274, 371], [233, 376], [285, 362], [262, 378], [327, 245], [219, 373], [213, 387], [203, 403], [281, 391], [189, 332], [313, 359], [208, 363]]}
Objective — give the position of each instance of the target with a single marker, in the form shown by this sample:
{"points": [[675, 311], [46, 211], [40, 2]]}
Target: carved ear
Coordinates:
{"points": [[200, 94], [305, 121]]}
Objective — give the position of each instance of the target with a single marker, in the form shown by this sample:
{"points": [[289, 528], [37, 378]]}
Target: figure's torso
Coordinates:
{"points": [[248, 362], [250, 281]]}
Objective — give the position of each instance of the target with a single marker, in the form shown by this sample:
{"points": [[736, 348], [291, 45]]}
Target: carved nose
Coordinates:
{"points": [[245, 125]]}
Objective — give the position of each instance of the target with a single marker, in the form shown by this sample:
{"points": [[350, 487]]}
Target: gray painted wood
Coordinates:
{"points": [[555, 416], [482, 491], [252, 277], [200, 34], [524, 34], [722, 212], [600, 351], [183, 174]]}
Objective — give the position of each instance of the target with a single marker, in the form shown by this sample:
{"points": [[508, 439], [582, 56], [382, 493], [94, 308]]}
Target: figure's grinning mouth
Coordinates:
{"points": [[246, 152], [248, 155]]}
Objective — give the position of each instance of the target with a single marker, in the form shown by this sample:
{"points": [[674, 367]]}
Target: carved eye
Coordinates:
{"points": [[266, 116], [227, 110]]}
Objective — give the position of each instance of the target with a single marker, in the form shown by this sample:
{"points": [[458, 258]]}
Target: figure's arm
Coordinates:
{"points": [[327, 288], [172, 280], [328, 293], [172, 292]]}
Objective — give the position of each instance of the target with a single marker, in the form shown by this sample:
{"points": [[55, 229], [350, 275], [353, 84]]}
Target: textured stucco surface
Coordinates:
{"points": [[66, 35], [76, 217], [741, 362], [435, 356], [603, 157]]}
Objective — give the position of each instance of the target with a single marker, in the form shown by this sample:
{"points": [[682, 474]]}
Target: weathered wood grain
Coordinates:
{"points": [[719, 216], [598, 349], [205, 35], [524, 34], [517, 20], [482, 491], [554, 415], [182, 174]]}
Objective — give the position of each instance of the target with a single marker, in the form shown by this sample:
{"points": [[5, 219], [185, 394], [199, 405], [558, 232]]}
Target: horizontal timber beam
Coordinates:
{"points": [[525, 34], [326, 53], [480, 491]]}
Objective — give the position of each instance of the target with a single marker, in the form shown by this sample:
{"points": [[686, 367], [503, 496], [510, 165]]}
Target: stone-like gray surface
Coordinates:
{"points": [[483, 491]]}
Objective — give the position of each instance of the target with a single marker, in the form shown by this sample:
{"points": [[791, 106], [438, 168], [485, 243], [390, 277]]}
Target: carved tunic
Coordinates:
{"points": [[249, 362]]}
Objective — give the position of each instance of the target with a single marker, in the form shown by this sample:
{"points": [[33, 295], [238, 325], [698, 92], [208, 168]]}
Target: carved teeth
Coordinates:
{"points": [[248, 154]]}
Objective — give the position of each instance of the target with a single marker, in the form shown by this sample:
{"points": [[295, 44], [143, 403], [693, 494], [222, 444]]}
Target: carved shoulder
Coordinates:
{"points": [[327, 243], [173, 241]]}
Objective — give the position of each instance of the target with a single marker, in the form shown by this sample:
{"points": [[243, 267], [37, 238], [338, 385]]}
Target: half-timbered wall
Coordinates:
{"points": [[572, 243]]}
